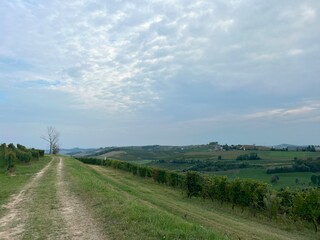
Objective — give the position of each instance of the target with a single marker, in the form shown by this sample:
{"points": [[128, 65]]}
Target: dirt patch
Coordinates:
{"points": [[79, 223], [12, 225]]}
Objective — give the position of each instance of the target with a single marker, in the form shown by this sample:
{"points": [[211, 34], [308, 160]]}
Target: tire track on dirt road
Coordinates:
{"points": [[12, 224], [79, 222]]}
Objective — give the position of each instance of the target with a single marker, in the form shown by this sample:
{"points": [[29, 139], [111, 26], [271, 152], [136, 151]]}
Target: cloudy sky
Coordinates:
{"points": [[113, 72]]}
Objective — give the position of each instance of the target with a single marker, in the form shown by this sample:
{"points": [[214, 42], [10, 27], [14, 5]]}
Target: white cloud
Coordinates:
{"points": [[308, 14], [225, 25], [294, 113], [121, 56], [295, 52]]}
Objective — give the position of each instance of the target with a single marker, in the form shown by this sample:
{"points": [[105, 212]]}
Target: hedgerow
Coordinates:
{"points": [[9, 155], [244, 193]]}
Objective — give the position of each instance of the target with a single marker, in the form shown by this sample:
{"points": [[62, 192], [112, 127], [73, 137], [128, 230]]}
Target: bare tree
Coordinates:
{"points": [[52, 137]]}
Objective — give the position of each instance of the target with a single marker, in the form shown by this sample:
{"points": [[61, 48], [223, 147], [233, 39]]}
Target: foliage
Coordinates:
{"points": [[272, 202], [274, 179], [194, 184], [251, 156], [10, 161], [245, 193], [307, 205], [11, 153], [210, 166], [23, 156], [315, 179], [299, 165]]}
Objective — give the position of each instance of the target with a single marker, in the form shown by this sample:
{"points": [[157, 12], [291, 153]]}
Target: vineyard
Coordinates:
{"points": [[11, 155], [278, 168], [250, 194]]}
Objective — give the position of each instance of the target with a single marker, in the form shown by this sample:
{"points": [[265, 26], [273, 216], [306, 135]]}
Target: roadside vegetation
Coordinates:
{"points": [[17, 166], [133, 211], [254, 195], [106, 189], [12, 155], [294, 167]]}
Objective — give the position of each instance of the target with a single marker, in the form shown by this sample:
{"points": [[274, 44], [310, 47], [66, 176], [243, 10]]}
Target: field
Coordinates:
{"points": [[183, 159], [68, 199], [11, 183]]}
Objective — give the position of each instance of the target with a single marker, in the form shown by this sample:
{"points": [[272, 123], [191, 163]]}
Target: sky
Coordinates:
{"points": [[169, 72]]}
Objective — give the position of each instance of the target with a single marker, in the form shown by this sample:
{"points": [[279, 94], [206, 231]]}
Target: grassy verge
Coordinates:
{"points": [[124, 214], [12, 183], [133, 208], [44, 216]]}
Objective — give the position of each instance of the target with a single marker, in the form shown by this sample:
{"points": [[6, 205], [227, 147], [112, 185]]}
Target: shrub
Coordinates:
{"points": [[307, 205], [23, 156], [251, 156], [194, 184], [142, 171], [274, 179], [161, 177], [10, 161]]}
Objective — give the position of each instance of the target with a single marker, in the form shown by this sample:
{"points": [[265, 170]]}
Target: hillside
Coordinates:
{"points": [[68, 199], [214, 159]]}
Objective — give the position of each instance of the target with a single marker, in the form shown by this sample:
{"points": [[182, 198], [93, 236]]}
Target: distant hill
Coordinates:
{"points": [[214, 146], [290, 147], [75, 151]]}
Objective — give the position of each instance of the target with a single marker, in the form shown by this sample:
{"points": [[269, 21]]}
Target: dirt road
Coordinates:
{"points": [[46, 208]]}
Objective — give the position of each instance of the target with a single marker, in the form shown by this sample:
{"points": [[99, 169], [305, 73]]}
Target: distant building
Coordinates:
{"points": [[317, 148]]}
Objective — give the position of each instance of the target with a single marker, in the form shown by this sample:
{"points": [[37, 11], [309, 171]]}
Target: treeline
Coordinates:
{"points": [[11, 154], [210, 166], [311, 165], [251, 156], [309, 148], [244, 193]]}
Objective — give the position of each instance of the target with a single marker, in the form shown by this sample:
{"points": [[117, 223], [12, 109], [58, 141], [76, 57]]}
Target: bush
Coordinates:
{"points": [[274, 179], [194, 184], [10, 161], [306, 205], [23, 156], [9, 154], [142, 171], [251, 156]]}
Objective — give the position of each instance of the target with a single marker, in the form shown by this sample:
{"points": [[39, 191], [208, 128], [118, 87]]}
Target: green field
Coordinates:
{"points": [[179, 159], [13, 182], [285, 179]]}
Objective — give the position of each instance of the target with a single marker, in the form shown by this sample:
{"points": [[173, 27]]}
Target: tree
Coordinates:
{"points": [[274, 179], [52, 137]]}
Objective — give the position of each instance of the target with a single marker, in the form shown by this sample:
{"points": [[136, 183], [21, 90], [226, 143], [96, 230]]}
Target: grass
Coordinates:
{"points": [[126, 215], [205, 154], [12, 183], [131, 207], [44, 217]]}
